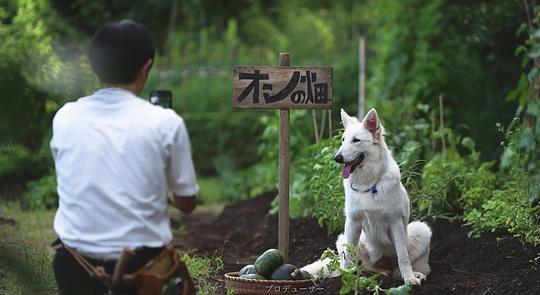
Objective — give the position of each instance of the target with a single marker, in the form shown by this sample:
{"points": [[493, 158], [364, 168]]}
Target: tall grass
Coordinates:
{"points": [[25, 255]]}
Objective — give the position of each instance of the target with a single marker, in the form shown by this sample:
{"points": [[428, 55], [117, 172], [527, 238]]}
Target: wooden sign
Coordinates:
{"points": [[282, 87]]}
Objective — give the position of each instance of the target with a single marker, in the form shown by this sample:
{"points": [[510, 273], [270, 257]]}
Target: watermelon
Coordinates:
{"points": [[252, 276], [248, 269], [301, 274], [284, 272], [268, 262]]}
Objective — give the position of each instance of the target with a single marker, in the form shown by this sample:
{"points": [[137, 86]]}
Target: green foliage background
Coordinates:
{"points": [[480, 58]]}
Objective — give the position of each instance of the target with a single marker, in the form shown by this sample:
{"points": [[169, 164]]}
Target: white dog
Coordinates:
{"points": [[376, 207]]}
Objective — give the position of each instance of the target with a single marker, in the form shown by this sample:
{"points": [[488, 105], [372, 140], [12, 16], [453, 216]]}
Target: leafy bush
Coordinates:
{"points": [[263, 176], [18, 164], [34, 77], [317, 188], [508, 204], [41, 194], [446, 181], [29, 173], [425, 49], [252, 182]]}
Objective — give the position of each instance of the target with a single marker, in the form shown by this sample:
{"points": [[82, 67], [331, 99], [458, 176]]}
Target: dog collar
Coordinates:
{"points": [[373, 189]]}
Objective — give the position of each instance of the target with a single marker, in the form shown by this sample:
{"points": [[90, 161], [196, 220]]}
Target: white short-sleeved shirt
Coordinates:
{"points": [[116, 156]]}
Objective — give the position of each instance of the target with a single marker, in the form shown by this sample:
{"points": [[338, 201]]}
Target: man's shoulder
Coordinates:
{"points": [[70, 108], [158, 114]]}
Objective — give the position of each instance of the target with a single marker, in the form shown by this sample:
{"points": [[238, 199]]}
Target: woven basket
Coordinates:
{"points": [[249, 286]]}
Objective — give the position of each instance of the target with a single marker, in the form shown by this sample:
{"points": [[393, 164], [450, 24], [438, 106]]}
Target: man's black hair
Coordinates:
{"points": [[119, 50]]}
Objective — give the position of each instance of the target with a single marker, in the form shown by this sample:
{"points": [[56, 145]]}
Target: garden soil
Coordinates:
{"points": [[492, 264]]}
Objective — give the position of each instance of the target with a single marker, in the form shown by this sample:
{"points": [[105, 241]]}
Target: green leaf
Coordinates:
{"points": [[521, 92], [468, 143], [521, 29], [535, 34], [520, 49], [533, 108], [401, 290], [527, 139], [532, 74], [535, 51]]}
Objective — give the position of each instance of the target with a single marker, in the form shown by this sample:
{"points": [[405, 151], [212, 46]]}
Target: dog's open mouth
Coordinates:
{"points": [[348, 168]]}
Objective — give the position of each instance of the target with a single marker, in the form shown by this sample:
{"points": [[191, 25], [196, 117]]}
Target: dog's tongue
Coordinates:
{"points": [[346, 171]]}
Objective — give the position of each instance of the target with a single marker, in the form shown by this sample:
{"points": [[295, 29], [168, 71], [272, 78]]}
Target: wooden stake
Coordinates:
{"points": [[284, 122], [432, 118], [361, 77], [441, 125], [321, 132], [315, 127], [330, 124]]}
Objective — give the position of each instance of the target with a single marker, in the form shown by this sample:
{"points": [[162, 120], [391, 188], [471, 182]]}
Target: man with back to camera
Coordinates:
{"points": [[116, 155]]}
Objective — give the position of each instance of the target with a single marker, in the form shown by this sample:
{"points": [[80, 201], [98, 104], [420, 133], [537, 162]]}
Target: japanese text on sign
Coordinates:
{"points": [[287, 88]]}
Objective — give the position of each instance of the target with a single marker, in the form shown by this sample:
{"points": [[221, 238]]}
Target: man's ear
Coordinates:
{"points": [[142, 76], [346, 119], [146, 67], [373, 125]]}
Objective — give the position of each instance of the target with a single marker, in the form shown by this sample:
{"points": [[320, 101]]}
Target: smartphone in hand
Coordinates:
{"points": [[162, 98]]}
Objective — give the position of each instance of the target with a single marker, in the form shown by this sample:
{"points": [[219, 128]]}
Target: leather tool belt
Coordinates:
{"points": [[164, 274]]}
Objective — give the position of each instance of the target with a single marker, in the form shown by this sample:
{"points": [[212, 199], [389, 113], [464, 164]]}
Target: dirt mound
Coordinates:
{"points": [[487, 265]]}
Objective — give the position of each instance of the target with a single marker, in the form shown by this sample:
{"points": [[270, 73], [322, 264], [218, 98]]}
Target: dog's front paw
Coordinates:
{"points": [[345, 260], [415, 279], [412, 281], [419, 275], [345, 263]]}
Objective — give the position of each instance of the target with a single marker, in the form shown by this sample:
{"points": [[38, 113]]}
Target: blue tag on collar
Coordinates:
{"points": [[374, 189]]}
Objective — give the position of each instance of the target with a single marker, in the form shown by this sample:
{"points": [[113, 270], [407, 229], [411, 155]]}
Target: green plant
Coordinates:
{"points": [[204, 271], [509, 203], [251, 182], [420, 50], [34, 76], [526, 94], [19, 164], [41, 194], [447, 177], [262, 177], [315, 180], [322, 185], [352, 277]]}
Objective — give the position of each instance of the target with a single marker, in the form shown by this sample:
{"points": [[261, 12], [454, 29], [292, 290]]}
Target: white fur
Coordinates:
{"points": [[319, 269], [377, 223]]}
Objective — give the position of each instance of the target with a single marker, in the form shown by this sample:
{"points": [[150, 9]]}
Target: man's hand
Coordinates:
{"points": [[185, 204]]}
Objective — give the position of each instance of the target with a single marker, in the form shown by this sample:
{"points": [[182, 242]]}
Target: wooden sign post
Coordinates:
{"points": [[283, 88], [283, 186]]}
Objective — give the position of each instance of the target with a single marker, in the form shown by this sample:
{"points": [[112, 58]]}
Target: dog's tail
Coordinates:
{"points": [[320, 268], [419, 236], [419, 239]]}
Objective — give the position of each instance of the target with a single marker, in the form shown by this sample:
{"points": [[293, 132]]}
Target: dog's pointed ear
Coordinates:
{"points": [[373, 125], [346, 119]]}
